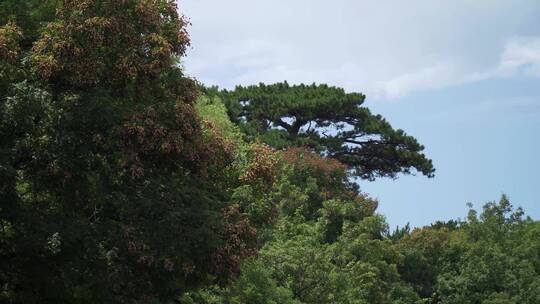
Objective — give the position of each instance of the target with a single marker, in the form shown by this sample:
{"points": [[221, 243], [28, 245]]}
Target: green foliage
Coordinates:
{"points": [[121, 183], [326, 246], [213, 110], [357, 267], [327, 120], [490, 258], [256, 286], [496, 268]]}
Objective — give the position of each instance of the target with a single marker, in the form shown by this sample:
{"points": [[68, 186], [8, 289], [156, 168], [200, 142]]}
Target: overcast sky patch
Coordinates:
{"points": [[386, 49]]}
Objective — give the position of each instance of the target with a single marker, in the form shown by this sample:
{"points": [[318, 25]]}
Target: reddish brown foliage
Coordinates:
{"points": [[328, 170], [173, 139], [330, 173], [240, 242], [263, 165], [10, 36], [115, 42]]}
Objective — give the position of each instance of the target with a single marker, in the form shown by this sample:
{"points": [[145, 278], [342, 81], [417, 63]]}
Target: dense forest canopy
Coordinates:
{"points": [[123, 180]]}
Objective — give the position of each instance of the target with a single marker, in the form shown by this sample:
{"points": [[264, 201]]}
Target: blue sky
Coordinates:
{"points": [[463, 77]]}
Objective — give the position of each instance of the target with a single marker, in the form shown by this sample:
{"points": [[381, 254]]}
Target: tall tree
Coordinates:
{"points": [[328, 120], [108, 181]]}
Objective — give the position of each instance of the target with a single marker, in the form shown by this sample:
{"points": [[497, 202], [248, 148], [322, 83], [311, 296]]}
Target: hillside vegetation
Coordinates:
{"points": [[123, 180]]}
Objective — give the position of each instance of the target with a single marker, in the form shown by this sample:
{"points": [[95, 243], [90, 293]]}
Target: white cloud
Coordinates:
{"points": [[521, 55], [431, 77], [386, 49]]}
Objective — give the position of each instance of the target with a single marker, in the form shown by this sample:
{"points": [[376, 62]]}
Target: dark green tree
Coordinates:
{"points": [[108, 180], [329, 121]]}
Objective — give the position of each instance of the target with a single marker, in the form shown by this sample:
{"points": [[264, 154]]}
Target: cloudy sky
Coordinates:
{"points": [[461, 76]]}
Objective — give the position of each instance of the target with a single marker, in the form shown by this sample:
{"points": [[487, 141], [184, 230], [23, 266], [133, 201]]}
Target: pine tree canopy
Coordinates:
{"points": [[329, 121]]}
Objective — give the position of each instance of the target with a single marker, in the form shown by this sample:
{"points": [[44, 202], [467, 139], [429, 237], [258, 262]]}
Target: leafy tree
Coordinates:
{"points": [[329, 121], [356, 267], [256, 286], [110, 182], [423, 253], [213, 111], [325, 245], [500, 264], [489, 258], [29, 16]]}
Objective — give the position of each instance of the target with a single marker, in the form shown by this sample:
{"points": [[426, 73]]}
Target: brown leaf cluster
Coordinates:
{"points": [[263, 165], [110, 42], [328, 169], [10, 36]]}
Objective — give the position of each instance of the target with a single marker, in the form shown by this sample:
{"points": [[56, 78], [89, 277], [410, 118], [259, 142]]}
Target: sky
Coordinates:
{"points": [[463, 77]]}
